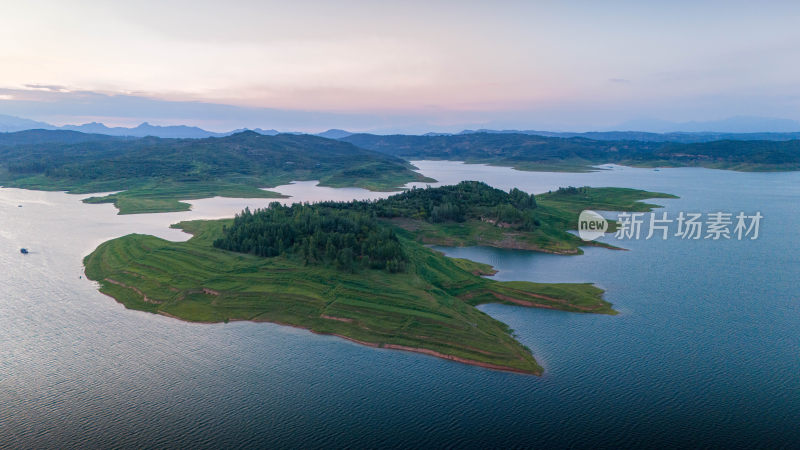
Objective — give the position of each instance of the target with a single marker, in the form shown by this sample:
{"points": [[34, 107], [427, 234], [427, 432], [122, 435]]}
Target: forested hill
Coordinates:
{"points": [[457, 203], [355, 234], [474, 213], [531, 152], [349, 234], [158, 172]]}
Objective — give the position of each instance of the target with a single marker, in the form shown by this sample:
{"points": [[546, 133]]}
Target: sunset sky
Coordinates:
{"points": [[405, 65]]}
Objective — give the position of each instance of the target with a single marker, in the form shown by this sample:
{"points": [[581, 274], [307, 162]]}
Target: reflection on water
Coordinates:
{"points": [[705, 350]]}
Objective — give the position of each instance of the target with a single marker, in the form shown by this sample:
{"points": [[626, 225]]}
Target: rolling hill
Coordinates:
{"points": [[156, 173]]}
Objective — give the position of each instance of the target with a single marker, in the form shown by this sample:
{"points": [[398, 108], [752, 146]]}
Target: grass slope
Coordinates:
{"points": [[429, 308]]}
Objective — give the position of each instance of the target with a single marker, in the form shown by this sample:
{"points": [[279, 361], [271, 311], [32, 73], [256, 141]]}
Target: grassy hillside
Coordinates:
{"points": [[429, 307], [156, 173], [575, 154]]}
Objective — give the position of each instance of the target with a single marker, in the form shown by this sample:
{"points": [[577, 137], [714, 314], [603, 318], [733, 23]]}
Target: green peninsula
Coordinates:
{"points": [[348, 269]]}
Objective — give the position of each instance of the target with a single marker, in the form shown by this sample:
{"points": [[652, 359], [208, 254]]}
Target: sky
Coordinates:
{"points": [[410, 65]]}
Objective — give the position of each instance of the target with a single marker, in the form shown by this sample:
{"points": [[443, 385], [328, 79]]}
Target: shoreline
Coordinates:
{"points": [[405, 348], [429, 352]]}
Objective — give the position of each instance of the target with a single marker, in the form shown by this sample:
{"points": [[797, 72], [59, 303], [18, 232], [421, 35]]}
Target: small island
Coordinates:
{"points": [[360, 270]]}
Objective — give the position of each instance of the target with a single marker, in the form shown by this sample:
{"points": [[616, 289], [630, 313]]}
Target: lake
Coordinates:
{"points": [[705, 352]]}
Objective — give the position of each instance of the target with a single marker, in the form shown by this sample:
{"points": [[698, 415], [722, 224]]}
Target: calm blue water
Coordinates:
{"points": [[705, 352]]}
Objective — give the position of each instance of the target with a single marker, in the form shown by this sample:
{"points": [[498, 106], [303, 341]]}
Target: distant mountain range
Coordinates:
{"points": [[10, 124], [146, 129], [143, 130], [737, 124], [647, 130]]}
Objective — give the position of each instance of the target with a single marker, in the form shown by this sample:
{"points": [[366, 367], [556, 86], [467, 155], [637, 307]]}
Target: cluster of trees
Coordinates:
{"points": [[347, 239], [571, 190], [457, 203], [349, 234]]}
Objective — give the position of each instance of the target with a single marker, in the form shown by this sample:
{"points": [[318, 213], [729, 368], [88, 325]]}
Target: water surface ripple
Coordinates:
{"points": [[704, 352]]}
